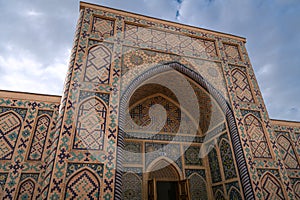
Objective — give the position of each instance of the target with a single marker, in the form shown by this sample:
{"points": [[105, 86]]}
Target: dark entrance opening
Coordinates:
{"points": [[167, 190]]}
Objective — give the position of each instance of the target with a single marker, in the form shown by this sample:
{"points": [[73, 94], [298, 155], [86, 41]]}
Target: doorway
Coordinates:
{"points": [[164, 182], [167, 190]]}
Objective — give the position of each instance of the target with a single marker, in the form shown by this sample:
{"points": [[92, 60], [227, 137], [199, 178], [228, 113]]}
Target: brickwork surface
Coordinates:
{"points": [[72, 147]]}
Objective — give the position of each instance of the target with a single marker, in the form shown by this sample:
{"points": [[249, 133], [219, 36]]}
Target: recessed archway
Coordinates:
{"points": [[224, 105], [164, 170]]}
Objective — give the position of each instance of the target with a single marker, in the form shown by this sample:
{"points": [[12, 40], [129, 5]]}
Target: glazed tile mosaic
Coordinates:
{"points": [[103, 138]]}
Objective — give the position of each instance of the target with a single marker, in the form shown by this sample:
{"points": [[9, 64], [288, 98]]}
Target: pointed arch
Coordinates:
{"points": [[83, 184], [224, 105], [163, 168], [256, 136], [227, 159], [297, 189], [90, 124], [234, 194], [241, 86], [198, 187], [98, 65], [271, 187], [10, 126], [219, 195], [133, 187], [26, 189], [287, 152], [39, 138]]}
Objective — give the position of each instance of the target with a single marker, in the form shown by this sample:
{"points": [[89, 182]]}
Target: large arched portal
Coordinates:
{"points": [[195, 132]]}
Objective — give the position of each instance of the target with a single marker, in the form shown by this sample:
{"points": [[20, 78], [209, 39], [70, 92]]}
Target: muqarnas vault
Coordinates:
{"points": [[169, 110]]}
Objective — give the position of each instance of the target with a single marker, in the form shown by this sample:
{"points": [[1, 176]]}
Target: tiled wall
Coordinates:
{"points": [[43, 152]]}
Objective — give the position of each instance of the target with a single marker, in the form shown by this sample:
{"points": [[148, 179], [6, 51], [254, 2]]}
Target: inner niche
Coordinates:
{"points": [[164, 171], [146, 143], [148, 95], [154, 108]]}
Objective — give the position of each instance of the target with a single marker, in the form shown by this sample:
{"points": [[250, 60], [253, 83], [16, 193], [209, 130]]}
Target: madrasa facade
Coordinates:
{"points": [[151, 109]]}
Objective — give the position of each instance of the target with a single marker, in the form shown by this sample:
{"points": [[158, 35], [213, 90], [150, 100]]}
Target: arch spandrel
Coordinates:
{"points": [[135, 62]]}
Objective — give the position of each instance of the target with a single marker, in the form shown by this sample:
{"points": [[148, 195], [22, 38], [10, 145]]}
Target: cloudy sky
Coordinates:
{"points": [[36, 38]]}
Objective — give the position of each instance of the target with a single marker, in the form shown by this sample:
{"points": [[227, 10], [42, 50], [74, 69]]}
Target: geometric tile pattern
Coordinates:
{"points": [[200, 172], [253, 112], [133, 58], [154, 150], [163, 170], [257, 138], [227, 159], [232, 52], [85, 94], [74, 167], [98, 65], [214, 166], [45, 112], [235, 194], [3, 177], [21, 111], [298, 138], [156, 39], [164, 38], [132, 187], [216, 188], [191, 156], [90, 126], [39, 138], [287, 152], [140, 115], [133, 153], [103, 27], [19, 116], [83, 185], [232, 185], [271, 187], [150, 146], [10, 125], [197, 187], [209, 113], [26, 190], [33, 176], [297, 189], [219, 195], [241, 86], [262, 171]]}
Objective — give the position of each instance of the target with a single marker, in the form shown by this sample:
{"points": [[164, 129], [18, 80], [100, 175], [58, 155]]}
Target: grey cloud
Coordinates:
{"points": [[271, 28], [272, 32]]}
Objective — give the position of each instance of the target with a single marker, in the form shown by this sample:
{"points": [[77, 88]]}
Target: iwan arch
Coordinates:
{"points": [[151, 110]]}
